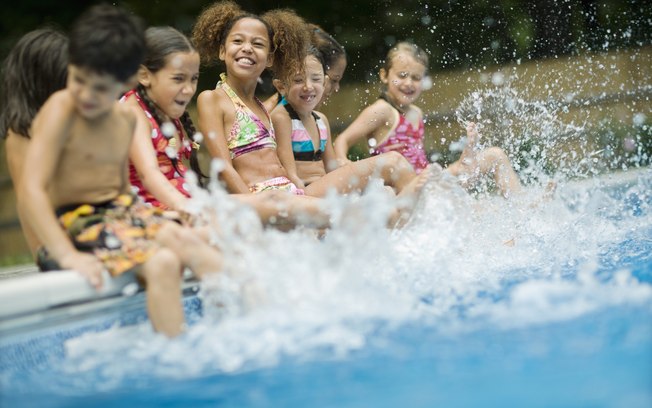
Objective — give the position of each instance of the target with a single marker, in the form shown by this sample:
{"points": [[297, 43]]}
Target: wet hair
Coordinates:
{"points": [[161, 42], [107, 40], [327, 46], [288, 34], [314, 52], [34, 69], [411, 49]]}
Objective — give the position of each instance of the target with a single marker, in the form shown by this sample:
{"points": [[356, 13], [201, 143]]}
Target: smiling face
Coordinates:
{"points": [[94, 94], [305, 89], [246, 50], [172, 87], [404, 79]]}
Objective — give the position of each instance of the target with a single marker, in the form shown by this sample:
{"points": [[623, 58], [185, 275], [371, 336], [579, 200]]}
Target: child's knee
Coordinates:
{"points": [[496, 155], [396, 160], [168, 232], [164, 265]]}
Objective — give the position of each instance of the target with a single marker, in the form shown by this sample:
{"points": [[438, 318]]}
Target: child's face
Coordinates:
{"points": [[94, 94], [305, 89], [246, 50], [404, 79], [172, 87], [334, 75]]}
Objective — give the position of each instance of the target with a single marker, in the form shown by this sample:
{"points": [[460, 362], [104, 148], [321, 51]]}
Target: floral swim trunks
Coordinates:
{"points": [[277, 183], [120, 233]]}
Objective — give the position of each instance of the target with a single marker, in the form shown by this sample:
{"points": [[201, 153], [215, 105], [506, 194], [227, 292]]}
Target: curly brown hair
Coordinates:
{"points": [[291, 38], [288, 34]]}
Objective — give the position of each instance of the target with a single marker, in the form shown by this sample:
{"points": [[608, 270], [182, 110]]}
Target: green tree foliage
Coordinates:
{"points": [[456, 33]]}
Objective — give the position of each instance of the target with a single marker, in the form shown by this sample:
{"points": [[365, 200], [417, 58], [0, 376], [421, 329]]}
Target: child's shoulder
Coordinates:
{"points": [[58, 108], [213, 98], [61, 99], [381, 108], [321, 116], [279, 113]]}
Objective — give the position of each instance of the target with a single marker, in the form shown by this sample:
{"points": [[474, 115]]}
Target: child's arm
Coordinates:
{"points": [[143, 157], [211, 124], [371, 119], [283, 129], [329, 158], [49, 135]]}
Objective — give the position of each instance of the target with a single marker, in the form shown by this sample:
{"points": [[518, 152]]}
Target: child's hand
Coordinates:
{"points": [[85, 264]]}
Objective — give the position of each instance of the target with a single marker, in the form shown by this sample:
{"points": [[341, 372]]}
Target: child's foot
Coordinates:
{"points": [[548, 194]]}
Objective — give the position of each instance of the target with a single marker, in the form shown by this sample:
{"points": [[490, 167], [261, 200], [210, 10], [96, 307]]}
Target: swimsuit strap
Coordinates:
{"points": [[248, 132], [239, 102]]}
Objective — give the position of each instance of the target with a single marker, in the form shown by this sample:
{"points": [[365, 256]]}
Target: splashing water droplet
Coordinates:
{"points": [[168, 129], [498, 78], [171, 152], [130, 289], [426, 83], [639, 119]]}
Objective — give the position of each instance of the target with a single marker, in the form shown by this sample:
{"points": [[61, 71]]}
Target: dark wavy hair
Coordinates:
{"points": [[34, 69], [327, 46]]}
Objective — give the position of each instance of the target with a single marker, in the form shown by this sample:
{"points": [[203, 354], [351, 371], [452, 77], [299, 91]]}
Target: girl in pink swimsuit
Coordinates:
{"points": [[394, 123]]}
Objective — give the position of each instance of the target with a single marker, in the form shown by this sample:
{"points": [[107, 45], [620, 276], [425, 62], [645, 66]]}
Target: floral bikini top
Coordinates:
{"points": [[302, 146], [248, 132], [172, 167]]}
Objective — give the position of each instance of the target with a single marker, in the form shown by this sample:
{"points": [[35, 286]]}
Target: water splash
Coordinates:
{"points": [[461, 264]]}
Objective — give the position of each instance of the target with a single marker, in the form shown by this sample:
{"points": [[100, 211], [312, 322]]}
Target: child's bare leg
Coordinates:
{"points": [[414, 186], [191, 247], [494, 160], [392, 167], [282, 209], [162, 276]]}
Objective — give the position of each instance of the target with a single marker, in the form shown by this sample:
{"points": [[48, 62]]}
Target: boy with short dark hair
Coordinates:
{"points": [[77, 167]]}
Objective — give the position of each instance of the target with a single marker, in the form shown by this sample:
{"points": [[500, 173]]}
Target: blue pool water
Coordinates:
{"points": [[536, 325]]}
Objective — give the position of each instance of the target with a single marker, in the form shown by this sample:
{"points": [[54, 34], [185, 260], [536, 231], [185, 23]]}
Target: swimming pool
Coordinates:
{"points": [[562, 318]]}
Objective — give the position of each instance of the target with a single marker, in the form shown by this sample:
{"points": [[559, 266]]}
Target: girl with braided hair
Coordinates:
{"points": [[167, 81]]}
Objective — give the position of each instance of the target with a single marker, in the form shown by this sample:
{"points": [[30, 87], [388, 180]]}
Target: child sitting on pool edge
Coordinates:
{"points": [[81, 140], [395, 123], [35, 68]]}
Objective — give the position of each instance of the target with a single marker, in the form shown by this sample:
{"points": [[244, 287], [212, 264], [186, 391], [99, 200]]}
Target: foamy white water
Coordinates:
{"points": [[463, 263]]}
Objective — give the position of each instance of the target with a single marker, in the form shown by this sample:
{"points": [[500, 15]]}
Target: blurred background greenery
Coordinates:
{"points": [[456, 33]]}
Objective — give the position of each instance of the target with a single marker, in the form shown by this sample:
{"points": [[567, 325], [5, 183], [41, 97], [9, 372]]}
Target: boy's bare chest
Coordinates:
{"points": [[101, 145]]}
